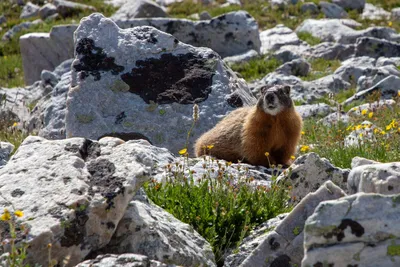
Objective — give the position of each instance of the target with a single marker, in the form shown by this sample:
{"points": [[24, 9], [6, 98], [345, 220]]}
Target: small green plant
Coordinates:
{"points": [[321, 68], [309, 38], [256, 68]]}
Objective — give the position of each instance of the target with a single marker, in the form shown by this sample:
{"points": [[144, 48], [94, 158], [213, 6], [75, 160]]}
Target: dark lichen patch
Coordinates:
{"points": [[102, 177], [234, 100], [127, 136], [184, 79], [120, 117], [93, 60], [75, 230], [17, 193], [110, 225], [274, 245], [87, 150], [320, 264], [281, 261], [356, 229], [390, 188], [145, 33]]}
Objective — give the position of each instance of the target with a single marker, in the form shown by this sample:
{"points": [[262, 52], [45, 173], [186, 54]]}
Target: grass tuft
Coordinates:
{"points": [[256, 68]]}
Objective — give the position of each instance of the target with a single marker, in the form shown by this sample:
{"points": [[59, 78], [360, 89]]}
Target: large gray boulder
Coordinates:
{"points": [[68, 8], [372, 12], [358, 230], [330, 51], [143, 82], [383, 178], [138, 9], [229, 34], [350, 4], [74, 192], [283, 246], [47, 10], [353, 68], [332, 11], [280, 35], [149, 230], [374, 47], [309, 172]]}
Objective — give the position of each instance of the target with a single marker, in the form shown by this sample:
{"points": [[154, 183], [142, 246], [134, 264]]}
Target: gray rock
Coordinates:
{"points": [[149, 230], [138, 9], [359, 161], [358, 136], [284, 245], [15, 29], [298, 67], [67, 8], [314, 110], [135, 97], [49, 77], [285, 54], [3, 19], [328, 84], [374, 47], [360, 230], [376, 75], [239, 29], [251, 242], [5, 151], [380, 178], [47, 10], [310, 7], [372, 12], [280, 35], [63, 68], [384, 61], [371, 107], [205, 15], [352, 69], [332, 11], [388, 88], [54, 48], [330, 51], [281, 4], [335, 118], [395, 14], [29, 11], [245, 57], [350, 4], [308, 172], [74, 192], [123, 260]]}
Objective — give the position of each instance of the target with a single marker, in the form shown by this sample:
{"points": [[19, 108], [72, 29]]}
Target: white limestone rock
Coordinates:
{"points": [[371, 107], [360, 230], [284, 245], [332, 11], [297, 67], [29, 11], [358, 136], [244, 57], [330, 51], [74, 192], [395, 16], [380, 178], [123, 260], [350, 4], [335, 118], [280, 35], [372, 12], [144, 82], [375, 47], [47, 10], [375, 76], [359, 161], [138, 9], [309, 172], [5, 151], [68, 8], [149, 230], [352, 69], [314, 110]]}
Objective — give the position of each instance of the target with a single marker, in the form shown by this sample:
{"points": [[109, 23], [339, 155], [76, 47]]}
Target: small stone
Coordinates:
{"points": [[30, 10], [332, 10], [310, 7], [47, 10], [205, 15]]}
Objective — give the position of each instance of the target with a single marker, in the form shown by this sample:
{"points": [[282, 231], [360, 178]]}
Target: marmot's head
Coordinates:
{"points": [[275, 99]]}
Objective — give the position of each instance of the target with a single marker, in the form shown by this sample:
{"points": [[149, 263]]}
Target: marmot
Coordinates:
{"points": [[246, 134]]}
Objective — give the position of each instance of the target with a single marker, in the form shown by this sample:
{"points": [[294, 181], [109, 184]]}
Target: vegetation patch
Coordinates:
{"points": [[256, 68], [309, 38], [320, 68]]}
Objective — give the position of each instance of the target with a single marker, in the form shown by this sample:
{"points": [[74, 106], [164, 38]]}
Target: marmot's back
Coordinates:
{"points": [[246, 134]]}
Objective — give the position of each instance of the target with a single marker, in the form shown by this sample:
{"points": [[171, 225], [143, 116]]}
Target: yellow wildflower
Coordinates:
{"points": [[361, 135], [398, 93], [182, 151], [388, 127], [358, 127], [370, 115], [15, 124], [292, 157], [266, 154], [383, 132], [304, 148], [18, 213], [6, 215], [390, 24], [376, 130], [303, 133], [364, 112]]}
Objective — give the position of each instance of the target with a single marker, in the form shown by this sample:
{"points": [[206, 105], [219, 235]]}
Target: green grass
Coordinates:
{"points": [[11, 74], [321, 68], [221, 211], [309, 38], [256, 68], [388, 5]]}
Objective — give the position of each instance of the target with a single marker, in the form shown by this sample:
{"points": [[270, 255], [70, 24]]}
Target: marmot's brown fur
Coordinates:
{"points": [[247, 133]]}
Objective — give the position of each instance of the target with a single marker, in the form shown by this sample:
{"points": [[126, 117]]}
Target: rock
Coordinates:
{"points": [[372, 12], [363, 132], [47, 10], [285, 55], [54, 48], [328, 84], [330, 51], [376, 75], [49, 77], [281, 4], [350, 4], [314, 110], [380, 178], [205, 15], [123, 260], [395, 14], [358, 230], [15, 29], [375, 48], [239, 29], [251, 242], [352, 69], [371, 107], [67, 8], [29, 11], [280, 35], [63, 68], [165, 2], [3, 19], [384, 61], [308, 172], [359, 161], [138, 9], [388, 88], [149, 230], [309, 7], [335, 118], [5, 151], [284, 245], [332, 11], [135, 97], [245, 57], [74, 192], [298, 67]]}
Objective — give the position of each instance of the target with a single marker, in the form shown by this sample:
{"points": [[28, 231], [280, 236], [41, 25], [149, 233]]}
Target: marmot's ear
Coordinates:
{"points": [[286, 89], [263, 90]]}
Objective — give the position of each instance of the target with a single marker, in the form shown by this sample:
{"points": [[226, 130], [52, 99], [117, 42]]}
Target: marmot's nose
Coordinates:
{"points": [[270, 97]]}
